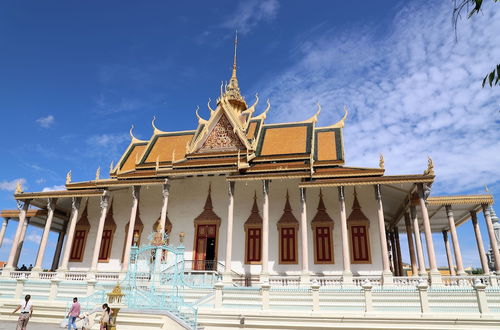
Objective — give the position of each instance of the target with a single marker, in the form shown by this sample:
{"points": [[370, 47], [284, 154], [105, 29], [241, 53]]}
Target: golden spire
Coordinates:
{"points": [[381, 162], [19, 187], [68, 177], [232, 90]]}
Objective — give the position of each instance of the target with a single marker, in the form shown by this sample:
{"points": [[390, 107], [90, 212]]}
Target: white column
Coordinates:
{"points": [[51, 205], [454, 238], [21, 242], [411, 245], [4, 228], [304, 279], [398, 252], [75, 205], [131, 226], [434, 273], [265, 232], [227, 278], [493, 240], [100, 228], [448, 253], [346, 255], [418, 241], [386, 270], [15, 243], [480, 245], [164, 206], [57, 253]]}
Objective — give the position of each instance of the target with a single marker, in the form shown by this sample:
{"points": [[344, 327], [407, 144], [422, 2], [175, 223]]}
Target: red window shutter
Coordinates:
{"points": [[323, 244], [359, 240], [104, 251], [78, 245], [288, 242]]}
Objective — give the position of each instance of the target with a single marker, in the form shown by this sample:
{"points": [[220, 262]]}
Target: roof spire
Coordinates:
{"points": [[235, 49], [232, 90]]}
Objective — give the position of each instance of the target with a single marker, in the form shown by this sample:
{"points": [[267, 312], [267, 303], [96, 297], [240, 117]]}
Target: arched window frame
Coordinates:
{"points": [[82, 229], [288, 223], [358, 219], [322, 220], [253, 224]]}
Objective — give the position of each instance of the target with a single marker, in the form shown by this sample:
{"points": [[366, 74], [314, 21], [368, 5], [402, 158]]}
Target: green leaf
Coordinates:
{"points": [[492, 76], [484, 80]]}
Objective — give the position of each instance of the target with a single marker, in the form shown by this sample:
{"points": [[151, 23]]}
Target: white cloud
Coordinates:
{"points": [[35, 238], [46, 122], [11, 185], [6, 241], [414, 93], [251, 12], [107, 140], [40, 181], [54, 188]]}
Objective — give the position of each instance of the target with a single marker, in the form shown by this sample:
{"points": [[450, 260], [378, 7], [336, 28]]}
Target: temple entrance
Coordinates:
{"points": [[206, 247]]}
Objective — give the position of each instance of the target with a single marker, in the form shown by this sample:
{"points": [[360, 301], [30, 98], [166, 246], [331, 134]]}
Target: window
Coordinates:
{"points": [[78, 245], [106, 242], [322, 227], [359, 229], [254, 245], [323, 245], [288, 245], [359, 240]]}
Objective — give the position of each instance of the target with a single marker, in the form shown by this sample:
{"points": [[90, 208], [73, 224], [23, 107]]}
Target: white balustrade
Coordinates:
{"points": [[47, 275], [75, 276], [20, 274], [107, 276], [284, 280], [466, 280], [406, 280]]}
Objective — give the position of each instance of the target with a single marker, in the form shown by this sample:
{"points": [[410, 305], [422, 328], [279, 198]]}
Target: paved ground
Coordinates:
{"points": [[11, 325]]}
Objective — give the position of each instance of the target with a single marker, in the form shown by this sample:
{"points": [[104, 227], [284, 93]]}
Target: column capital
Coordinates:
{"points": [[449, 211], [445, 235], [302, 194], [75, 203], [378, 192], [265, 187], [24, 204], [105, 200], [341, 193], [230, 188], [473, 216], [166, 189], [135, 192], [51, 204]]}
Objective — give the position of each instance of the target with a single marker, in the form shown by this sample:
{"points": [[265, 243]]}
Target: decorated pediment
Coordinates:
{"points": [[222, 137]]}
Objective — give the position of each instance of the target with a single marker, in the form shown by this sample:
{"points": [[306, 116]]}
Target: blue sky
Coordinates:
{"points": [[74, 76]]}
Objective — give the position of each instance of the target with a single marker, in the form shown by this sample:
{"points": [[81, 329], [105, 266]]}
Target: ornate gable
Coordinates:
{"points": [[288, 219], [254, 219], [222, 137], [321, 218]]}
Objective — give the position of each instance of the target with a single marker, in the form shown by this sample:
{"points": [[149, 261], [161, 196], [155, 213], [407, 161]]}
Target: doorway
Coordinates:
{"points": [[206, 247]]}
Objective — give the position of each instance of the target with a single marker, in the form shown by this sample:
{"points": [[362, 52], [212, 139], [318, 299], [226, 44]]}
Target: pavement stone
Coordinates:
{"points": [[11, 325]]}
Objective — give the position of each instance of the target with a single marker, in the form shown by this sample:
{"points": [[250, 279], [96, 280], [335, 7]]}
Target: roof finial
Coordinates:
{"points": [[430, 167], [68, 177], [235, 49], [381, 162], [486, 188]]}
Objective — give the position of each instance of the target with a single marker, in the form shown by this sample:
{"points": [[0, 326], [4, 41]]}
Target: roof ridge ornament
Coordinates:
{"points": [[155, 129], [68, 177], [430, 167], [381, 162], [314, 118], [98, 173], [111, 166], [341, 122], [209, 107], [263, 115], [132, 137], [19, 187], [200, 120]]}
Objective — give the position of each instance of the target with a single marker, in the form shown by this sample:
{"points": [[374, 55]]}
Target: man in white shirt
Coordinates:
{"points": [[26, 311]]}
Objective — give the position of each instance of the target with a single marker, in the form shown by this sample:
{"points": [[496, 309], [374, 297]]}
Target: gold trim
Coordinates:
{"points": [[460, 200], [57, 194], [369, 181]]}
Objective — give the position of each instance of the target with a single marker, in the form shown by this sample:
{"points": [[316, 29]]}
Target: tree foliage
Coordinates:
{"points": [[473, 7]]}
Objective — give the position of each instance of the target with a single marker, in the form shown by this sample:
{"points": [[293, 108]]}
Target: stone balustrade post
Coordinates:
{"points": [[265, 295], [218, 294], [91, 286], [367, 288], [422, 287], [315, 295], [19, 288], [482, 301], [54, 288]]}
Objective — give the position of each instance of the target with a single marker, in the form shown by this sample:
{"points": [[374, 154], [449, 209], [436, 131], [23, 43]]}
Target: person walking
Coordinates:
{"points": [[74, 312], [105, 317], [26, 312]]}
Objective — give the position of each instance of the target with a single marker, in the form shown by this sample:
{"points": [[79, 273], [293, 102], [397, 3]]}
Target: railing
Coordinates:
{"points": [[20, 274], [327, 281], [374, 280], [107, 276], [406, 280], [465, 280], [75, 276], [47, 275], [279, 280]]}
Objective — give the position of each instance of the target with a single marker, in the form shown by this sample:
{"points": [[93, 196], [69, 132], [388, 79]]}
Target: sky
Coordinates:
{"points": [[74, 76]]}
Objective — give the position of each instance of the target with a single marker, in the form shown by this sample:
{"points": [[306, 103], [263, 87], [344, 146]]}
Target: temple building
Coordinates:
{"points": [[255, 203]]}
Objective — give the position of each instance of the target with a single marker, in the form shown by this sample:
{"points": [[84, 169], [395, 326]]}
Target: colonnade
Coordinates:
{"points": [[410, 218], [415, 246]]}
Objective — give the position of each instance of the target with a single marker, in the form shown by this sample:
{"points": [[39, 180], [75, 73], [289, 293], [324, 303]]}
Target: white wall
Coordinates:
{"points": [[186, 201]]}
